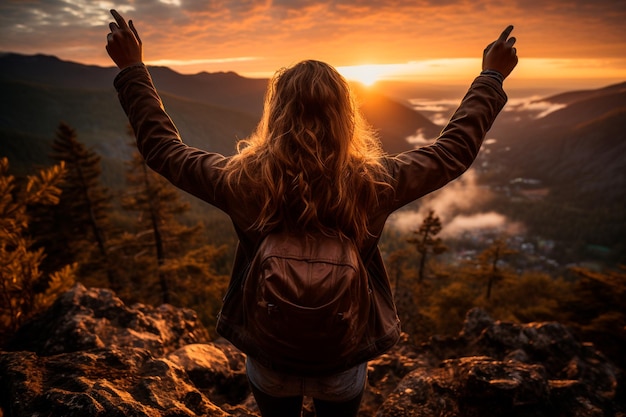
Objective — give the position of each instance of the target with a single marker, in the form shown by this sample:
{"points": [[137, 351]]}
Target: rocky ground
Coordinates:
{"points": [[91, 355]]}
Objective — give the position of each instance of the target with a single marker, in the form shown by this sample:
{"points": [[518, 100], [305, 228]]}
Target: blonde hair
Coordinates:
{"points": [[313, 162]]}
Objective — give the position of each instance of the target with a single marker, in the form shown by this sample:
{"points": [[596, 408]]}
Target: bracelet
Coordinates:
{"points": [[128, 69], [493, 74]]}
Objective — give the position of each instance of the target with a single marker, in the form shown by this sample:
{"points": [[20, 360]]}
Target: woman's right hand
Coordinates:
{"points": [[501, 55], [123, 42]]}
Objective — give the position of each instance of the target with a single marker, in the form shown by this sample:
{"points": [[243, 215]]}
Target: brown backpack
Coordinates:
{"points": [[306, 302]]}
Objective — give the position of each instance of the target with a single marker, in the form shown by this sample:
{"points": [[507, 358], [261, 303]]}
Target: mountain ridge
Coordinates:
{"points": [[42, 78], [577, 151], [578, 95], [214, 110]]}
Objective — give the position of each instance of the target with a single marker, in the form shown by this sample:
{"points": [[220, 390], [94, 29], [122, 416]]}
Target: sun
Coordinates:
{"points": [[367, 74]]}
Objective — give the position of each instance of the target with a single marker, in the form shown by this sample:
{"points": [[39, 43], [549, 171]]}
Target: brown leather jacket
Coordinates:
{"points": [[413, 174]]}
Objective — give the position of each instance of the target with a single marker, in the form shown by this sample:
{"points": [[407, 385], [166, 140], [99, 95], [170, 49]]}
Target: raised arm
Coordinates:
{"points": [[158, 140], [421, 171]]}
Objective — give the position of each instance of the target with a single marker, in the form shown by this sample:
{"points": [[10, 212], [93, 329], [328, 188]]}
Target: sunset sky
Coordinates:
{"points": [[575, 43]]}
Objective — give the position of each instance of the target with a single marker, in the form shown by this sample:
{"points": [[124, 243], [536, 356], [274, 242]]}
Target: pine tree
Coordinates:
{"points": [[489, 260], [198, 285], [425, 241], [24, 288], [161, 242], [80, 225], [395, 262]]}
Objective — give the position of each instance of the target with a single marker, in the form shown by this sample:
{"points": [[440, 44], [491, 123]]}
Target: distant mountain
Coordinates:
{"points": [[224, 89], [39, 92], [49, 70], [574, 160], [582, 143], [577, 96], [212, 111], [394, 120], [579, 150]]}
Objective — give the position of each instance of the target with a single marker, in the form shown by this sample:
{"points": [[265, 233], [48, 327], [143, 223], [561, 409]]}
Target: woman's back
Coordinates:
{"points": [[313, 162]]}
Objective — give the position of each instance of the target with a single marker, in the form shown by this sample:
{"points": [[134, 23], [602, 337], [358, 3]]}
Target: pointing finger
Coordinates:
{"points": [[119, 19], [505, 34]]}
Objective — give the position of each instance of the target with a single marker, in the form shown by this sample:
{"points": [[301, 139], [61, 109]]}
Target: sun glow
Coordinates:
{"points": [[366, 74], [530, 72], [369, 74], [463, 69]]}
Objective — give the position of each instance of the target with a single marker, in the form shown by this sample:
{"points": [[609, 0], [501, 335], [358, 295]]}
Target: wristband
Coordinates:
{"points": [[126, 70], [493, 74]]}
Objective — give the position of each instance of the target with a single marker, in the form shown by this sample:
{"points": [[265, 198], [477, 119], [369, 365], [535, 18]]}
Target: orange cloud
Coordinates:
{"points": [[224, 34]]}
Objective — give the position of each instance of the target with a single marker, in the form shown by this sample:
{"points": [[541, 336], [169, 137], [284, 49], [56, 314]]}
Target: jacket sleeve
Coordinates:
{"points": [[192, 170], [420, 171]]}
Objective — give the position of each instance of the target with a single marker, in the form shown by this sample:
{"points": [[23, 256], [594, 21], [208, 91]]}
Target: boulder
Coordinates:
{"points": [[217, 370], [94, 318], [115, 381]]}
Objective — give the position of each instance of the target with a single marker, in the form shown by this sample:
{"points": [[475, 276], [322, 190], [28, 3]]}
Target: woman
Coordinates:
{"points": [[313, 164]]}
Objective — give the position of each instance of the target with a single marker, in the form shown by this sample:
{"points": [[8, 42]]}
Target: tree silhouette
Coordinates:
{"points": [[160, 238], [24, 288], [81, 225], [425, 241], [489, 260], [395, 263]]}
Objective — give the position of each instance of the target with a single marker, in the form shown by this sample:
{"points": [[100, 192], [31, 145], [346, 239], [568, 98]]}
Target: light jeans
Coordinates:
{"points": [[340, 387]]}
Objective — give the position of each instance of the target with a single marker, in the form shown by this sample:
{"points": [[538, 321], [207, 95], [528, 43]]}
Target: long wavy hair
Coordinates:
{"points": [[313, 162]]}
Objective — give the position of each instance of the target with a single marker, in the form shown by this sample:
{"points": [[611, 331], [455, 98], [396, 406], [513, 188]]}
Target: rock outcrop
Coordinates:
{"points": [[91, 355], [497, 368], [83, 319]]}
